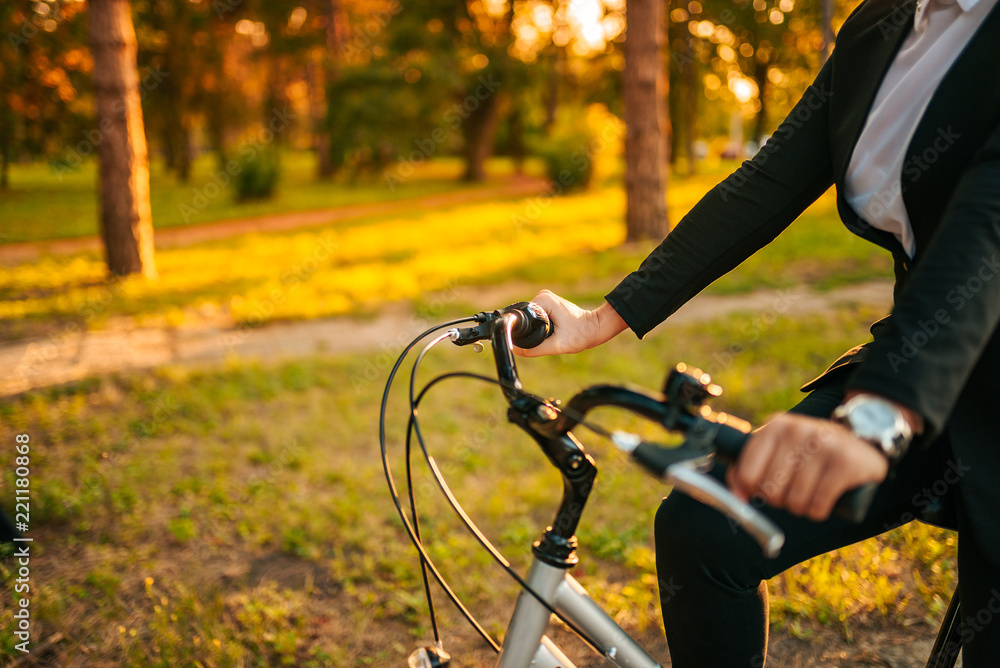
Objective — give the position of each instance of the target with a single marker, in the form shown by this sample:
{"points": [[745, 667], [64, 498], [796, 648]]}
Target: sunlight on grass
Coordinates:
{"points": [[42, 204], [356, 266]]}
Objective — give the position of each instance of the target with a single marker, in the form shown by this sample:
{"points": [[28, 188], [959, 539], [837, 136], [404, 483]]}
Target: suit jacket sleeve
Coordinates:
{"points": [[947, 312], [737, 217]]}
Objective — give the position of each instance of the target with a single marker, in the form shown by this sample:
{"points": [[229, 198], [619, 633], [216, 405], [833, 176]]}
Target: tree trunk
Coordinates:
{"points": [[552, 95], [318, 113], [4, 159], [690, 113], [126, 219], [327, 73], [480, 129], [643, 93], [182, 144], [518, 149], [760, 76]]}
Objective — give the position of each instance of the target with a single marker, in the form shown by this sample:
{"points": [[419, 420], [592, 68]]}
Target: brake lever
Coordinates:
{"points": [[696, 453], [684, 467], [711, 492]]}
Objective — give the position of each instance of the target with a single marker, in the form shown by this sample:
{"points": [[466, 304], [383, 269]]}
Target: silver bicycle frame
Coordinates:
{"points": [[526, 643]]}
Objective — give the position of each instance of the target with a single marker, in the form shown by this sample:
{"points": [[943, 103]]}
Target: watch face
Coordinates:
{"points": [[873, 418]]}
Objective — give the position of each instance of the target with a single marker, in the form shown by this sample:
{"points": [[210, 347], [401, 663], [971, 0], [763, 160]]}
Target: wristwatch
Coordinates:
{"points": [[877, 421]]}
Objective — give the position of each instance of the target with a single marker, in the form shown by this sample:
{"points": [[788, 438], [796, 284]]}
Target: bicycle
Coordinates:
{"points": [[548, 589]]}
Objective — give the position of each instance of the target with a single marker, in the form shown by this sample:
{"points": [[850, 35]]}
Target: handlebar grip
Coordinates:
{"points": [[854, 504], [531, 324]]}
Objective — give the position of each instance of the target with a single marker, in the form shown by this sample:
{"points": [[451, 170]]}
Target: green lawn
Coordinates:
{"points": [[43, 203], [570, 243], [238, 516]]}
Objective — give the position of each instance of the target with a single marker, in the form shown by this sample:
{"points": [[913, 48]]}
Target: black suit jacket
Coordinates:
{"points": [[939, 350]]}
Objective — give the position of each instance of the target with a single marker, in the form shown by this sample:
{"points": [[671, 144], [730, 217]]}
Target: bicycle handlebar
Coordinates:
{"points": [[681, 408]]}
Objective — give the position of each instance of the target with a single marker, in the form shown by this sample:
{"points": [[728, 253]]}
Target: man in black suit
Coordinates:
{"points": [[905, 120]]}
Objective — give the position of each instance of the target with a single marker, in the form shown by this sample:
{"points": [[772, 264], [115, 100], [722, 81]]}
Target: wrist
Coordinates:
{"points": [[913, 418], [877, 421], [609, 323]]}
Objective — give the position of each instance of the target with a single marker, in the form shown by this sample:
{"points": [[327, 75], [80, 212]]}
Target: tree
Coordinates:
{"points": [[335, 33], [643, 92], [180, 40], [44, 68], [126, 219]]}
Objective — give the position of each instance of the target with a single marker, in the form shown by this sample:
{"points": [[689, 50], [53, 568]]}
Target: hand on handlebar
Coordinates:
{"points": [[575, 329], [804, 464]]}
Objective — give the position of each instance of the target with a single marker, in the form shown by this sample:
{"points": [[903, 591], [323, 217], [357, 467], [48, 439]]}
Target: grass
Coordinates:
{"points": [[354, 267], [43, 203], [238, 516]]}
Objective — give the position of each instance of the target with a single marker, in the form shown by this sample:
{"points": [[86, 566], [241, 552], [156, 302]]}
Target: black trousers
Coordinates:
{"points": [[711, 574]]}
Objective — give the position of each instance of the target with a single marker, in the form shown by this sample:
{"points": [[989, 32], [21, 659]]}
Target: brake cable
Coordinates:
{"points": [[425, 559], [414, 532]]}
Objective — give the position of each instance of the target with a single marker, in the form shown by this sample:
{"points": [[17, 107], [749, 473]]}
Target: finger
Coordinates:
{"points": [[734, 485], [829, 488], [798, 466], [569, 323], [798, 498], [832, 470], [546, 347], [755, 459]]}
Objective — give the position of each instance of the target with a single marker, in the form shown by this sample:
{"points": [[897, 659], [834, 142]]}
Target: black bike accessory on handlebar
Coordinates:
{"points": [[531, 325]]}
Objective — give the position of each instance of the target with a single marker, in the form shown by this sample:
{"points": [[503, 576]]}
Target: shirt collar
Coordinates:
{"points": [[923, 6]]}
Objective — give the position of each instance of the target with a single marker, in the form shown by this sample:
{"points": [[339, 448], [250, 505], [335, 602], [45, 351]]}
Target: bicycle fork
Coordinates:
{"points": [[526, 643]]}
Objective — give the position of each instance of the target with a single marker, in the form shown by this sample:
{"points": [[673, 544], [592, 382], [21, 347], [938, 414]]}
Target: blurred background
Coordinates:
{"points": [[222, 220]]}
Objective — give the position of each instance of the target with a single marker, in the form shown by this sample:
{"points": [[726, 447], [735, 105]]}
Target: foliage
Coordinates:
{"points": [[566, 150], [374, 121], [44, 79], [210, 70], [257, 175]]}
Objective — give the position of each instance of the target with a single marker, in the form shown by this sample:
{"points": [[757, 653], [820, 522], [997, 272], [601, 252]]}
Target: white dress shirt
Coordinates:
{"points": [[941, 29]]}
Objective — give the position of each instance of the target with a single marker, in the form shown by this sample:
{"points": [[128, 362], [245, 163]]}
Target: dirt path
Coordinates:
{"points": [[63, 358], [515, 186]]}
